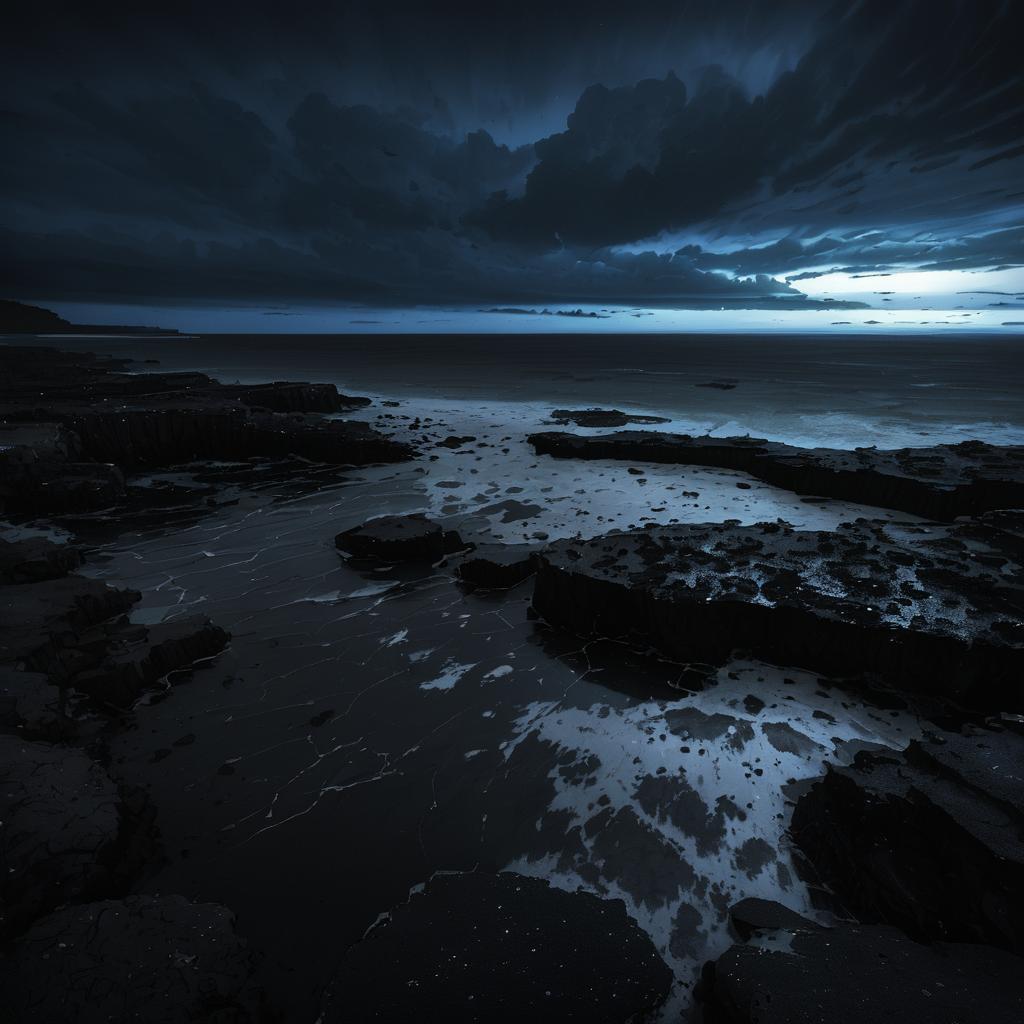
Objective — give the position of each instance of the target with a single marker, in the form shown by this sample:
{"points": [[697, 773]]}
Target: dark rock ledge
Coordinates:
{"points": [[498, 566], [926, 849], [933, 608], [70, 833], [798, 973], [399, 538], [941, 482], [158, 959], [601, 418], [73, 425], [931, 841], [71, 631], [502, 948]]}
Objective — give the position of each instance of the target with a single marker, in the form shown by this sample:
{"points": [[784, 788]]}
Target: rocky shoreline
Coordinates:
{"points": [[75, 432], [941, 482], [917, 857]]}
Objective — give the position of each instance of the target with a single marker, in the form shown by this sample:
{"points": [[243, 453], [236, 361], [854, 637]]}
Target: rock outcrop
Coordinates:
{"points": [[158, 959], [70, 632], [409, 538], [941, 482], [498, 566], [931, 841], [934, 608], [601, 417], [36, 559], [68, 831], [475, 947], [72, 425], [851, 974]]}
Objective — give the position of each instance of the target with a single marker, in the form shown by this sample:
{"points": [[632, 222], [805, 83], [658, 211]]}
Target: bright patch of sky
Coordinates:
{"points": [[926, 289], [932, 312]]}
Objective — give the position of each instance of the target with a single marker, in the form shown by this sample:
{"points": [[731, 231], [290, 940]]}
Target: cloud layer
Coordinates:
{"points": [[259, 164]]}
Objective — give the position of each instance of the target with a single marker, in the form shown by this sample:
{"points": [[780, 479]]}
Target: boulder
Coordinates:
{"points": [[498, 566], [408, 538]]}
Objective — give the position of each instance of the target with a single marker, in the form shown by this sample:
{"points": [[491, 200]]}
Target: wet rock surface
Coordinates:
{"points": [[936, 608], [498, 565], [71, 629], [940, 482], [158, 959], [475, 947], [71, 426], [931, 841], [377, 720], [412, 538], [855, 973], [601, 417]]}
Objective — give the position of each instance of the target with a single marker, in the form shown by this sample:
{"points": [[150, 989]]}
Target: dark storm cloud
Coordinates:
{"points": [[863, 253], [921, 83], [251, 153]]}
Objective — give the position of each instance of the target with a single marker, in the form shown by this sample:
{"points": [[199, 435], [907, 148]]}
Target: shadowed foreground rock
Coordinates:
{"points": [[35, 559], [941, 482], [68, 832], [144, 959], [70, 631], [411, 538], [936, 608], [854, 974], [931, 841], [500, 948]]}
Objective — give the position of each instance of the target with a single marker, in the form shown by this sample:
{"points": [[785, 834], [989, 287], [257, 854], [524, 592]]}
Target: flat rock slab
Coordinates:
{"points": [[411, 538], [161, 960], [931, 841], [601, 417], [500, 948], [855, 974], [498, 566], [941, 482], [61, 821], [934, 608]]}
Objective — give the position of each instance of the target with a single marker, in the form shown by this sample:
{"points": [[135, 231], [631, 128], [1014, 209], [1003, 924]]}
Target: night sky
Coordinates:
{"points": [[392, 154]]}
